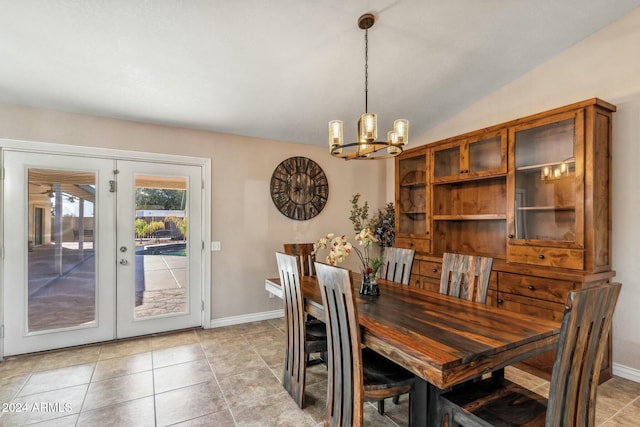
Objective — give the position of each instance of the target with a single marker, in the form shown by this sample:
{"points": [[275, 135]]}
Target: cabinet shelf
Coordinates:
{"points": [[413, 213], [413, 184], [472, 217], [546, 208], [537, 167]]}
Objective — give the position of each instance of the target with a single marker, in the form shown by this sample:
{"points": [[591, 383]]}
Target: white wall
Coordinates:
{"points": [[244, 218], [605, 65]]}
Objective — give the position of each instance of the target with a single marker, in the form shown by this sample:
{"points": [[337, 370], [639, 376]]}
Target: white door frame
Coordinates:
{"points": [[61, 149]]}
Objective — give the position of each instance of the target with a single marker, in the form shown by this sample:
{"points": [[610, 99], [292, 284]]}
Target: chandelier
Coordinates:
{"points": [[367, 146]]}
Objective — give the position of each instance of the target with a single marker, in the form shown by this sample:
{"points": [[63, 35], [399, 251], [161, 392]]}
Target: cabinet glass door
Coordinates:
{"points": [[487, 155], [412, 195], [477, 156], [446, 162], [546, 174]]}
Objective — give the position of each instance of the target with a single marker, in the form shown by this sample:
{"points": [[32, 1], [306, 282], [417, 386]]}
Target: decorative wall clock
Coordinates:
{"points": [[299, 188]]}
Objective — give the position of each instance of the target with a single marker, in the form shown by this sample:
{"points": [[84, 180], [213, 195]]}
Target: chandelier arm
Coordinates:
{"points": [[373, 150]]}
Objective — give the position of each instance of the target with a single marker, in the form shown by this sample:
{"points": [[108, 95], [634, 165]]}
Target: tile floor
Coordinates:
{"points": [[218, 377]]}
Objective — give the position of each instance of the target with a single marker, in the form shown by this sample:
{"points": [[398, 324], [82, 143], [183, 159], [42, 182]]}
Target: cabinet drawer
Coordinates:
{"points": [[430, 284], [550, 257], [535, 287], [431, 269], [420, 245], [415, 280], [531, 306]]}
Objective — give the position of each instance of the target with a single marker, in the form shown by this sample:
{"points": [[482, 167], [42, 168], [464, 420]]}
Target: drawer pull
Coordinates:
{"points": [[500, 301], [511, 236], [531, 287], [541, 256], [435, 270]]}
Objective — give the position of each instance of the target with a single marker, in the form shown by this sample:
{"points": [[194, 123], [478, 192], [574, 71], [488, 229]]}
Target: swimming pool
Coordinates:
{"points": [[174, 249]]}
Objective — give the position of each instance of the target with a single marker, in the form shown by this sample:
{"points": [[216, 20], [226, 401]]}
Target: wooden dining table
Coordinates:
{"points": [[441, 339]]}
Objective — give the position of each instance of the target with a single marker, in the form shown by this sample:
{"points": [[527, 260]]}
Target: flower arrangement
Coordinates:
{"points": [[382, 223], [340, 248], [359, 215]]}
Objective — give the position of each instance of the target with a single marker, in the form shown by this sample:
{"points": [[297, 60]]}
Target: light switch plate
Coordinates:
{"points": [[215, 246]]}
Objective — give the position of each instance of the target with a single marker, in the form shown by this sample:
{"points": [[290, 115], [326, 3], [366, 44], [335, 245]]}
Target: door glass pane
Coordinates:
{"points": [[161, 282], [61, 256]]}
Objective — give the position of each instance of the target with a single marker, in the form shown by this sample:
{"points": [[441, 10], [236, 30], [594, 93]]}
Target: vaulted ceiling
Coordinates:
{"points": [[279, 69]]}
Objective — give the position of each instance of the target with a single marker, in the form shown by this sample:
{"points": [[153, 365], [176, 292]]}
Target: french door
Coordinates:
{"points": [[162, 261], [97, 249]]}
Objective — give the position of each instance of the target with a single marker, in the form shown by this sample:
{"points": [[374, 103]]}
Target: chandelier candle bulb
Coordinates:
{"points": [[368, 127], [335, 133], [401, 129], [392, 139]]}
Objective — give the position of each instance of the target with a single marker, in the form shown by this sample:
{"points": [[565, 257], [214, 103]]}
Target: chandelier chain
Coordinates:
{"points": [[366, 71]]}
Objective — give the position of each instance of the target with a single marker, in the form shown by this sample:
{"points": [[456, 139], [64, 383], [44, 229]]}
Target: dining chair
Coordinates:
{"points": [[355, 373], [396, 268], [574, 380], [304, 251], [465, 276], [306, 258], [397, 264], [302, 338]]}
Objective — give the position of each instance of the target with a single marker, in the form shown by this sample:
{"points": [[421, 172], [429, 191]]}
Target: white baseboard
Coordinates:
{"points": [[626, 372], [246, 318]]}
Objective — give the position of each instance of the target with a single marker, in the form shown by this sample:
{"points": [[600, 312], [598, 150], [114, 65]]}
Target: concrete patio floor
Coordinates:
{"points": [[68, 299]]}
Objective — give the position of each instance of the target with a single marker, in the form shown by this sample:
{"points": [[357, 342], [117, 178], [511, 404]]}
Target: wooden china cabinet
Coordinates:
{"points": [[533, 193]]}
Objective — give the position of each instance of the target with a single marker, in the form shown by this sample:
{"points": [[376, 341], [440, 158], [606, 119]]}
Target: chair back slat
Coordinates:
{"points": [[466, 276], [304, 253], [583, 340], [345, 392], [397, 264], [293, 378]]}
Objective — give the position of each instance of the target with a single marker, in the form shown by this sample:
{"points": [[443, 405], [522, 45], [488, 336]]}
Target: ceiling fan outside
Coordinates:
{"points": [[50, 192]]}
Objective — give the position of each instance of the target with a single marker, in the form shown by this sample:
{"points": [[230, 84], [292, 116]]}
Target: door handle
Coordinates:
{"points": [[124, 262]]}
